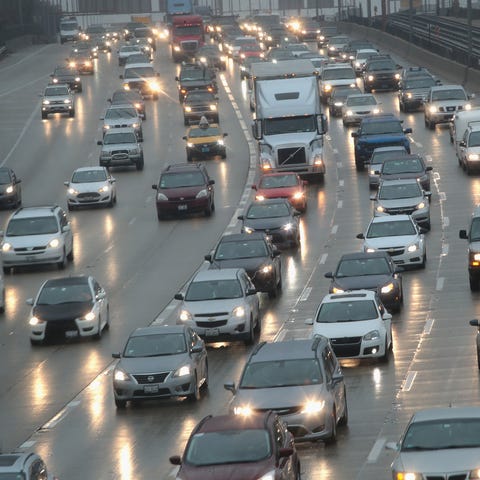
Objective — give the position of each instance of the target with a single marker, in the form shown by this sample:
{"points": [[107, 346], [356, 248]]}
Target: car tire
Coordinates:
{"points": [[401, 107], [344, 418], [359, 165], [386, 356], [189, 157], [468, 170], [107, 323], [195, 396], [272, 293], [98, 335], [186, 122], [205, 382], [251, 334], [120, 404], [62, 263], [139, 165], [424, 260], [6, 270], [70, 256], [474, 284], [111, 203], [2, 306], [71, 113], [209, 209], [70, 207], [35, 343], [79, 89], [44, 115], [332, 439], [144, 116]]}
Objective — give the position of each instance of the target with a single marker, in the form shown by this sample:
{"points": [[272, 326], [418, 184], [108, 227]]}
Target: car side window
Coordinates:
{"points": [[63, 218], [332, 361]]}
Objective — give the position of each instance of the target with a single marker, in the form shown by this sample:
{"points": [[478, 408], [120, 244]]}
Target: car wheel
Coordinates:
{"points": [[6, 270], [251, 336], [400, 106], [2, 306], [424, 260], [195, 396], [474, 284], [63, 262], [272, 293], [35, 343], [70, 255], [428, 225], [209, 209], [111, 203], [205, 381], [298, 472], [71, 113], [468, 170], [139, 165], [478, 358], [332, 439], [120, 403], [186, 122], [344, 419], [107, 323], [144, 116], [189, 157], [386, 356], [98, 335], [44, 115], [358, 165], [160, 216], [79, 90]]}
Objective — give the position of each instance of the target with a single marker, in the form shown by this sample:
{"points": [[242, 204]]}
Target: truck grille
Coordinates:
{"points": [[190, 46], [454, 476], [291, 156]]}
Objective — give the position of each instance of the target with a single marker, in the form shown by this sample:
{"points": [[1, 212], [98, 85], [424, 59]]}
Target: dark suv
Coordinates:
{"points": [[70, 76], [378, 131], [413, 91], [195, 77], [239, 448], [473, 237], [255, 253], [198, 104], [184, 188], [381, 72]]}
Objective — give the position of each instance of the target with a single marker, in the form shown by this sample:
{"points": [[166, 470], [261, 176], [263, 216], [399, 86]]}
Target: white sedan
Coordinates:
{"points": [[399, 236], [358, 106], [91, 186], [356, 323]]}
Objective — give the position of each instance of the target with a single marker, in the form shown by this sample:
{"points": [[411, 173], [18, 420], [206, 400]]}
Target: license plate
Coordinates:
{"points": [[150, 389], [88, 199], [212, 332], [205, 149], [71, 333], [182, 207], [30, 258]]}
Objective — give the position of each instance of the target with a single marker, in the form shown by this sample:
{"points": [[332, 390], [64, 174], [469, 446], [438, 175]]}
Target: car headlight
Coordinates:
{"points": [[188, 108], [358, 64], [6, 247], [338, 104], [248, 229], [55, 80], [67, 100], [373, 335], [397, 76], [243, 410], [298, 195], [77, 79], [106, 127], [135, 125], [185, 316], [189, 144], [412, 248], [223, 58], [126, 86], [420, 205], [121, 375], [182, 371], [134, 151], [220, 142], [327, 87], [473, 156], [380, 209], [54, 243], [337, 290], [203, 59], [408, 476], [72, 64], [242, 55], [213, 107], [475, 256], [314, 406], [372, 172], [176, 48], [332, 49], [474, 474], [104, 189], [287, 227], [409, 95], [46, 102], [376, 111], [202, 193], [88, 63], [433, 109], [349, 113], [387, 288], [370, 250], [9, 189], [370, 78], [322, 38], [260, 198], [162, 197], [35, 321], [154, 86], [88, 317], [467, 106], [317, 160], [238, 312], [266, 269], [72, 191]]}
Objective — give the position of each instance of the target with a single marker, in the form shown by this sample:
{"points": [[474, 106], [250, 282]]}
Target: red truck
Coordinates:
{"points": [[187, 36]]}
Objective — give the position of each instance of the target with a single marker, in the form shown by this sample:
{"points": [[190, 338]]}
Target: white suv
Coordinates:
{"points": [[37, 235]]}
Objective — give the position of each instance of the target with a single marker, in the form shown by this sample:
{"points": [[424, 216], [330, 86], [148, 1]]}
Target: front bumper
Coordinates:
{"points": [[219, 329], [60, 108], [120, 159], [206, 150], [357, 347], [38, 256], [182, 207], [67, 328], [89, 198]]}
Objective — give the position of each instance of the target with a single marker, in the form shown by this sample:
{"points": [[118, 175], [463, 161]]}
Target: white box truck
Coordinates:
{"points": [[288, 122]]}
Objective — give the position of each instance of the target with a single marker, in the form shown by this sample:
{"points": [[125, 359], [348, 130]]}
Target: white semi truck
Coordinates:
{"points": [[288, 122]]}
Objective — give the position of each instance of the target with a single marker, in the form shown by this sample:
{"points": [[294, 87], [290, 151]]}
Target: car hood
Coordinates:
{"points": [[249, 264], [401, 202], [362, 108], [438, 461], [31, 240], [121, 121], [65, 77], [267, 223], [301, 139], [347, 329], [195, 83], [181, 193], [201, 140], [277, 398], [209, 306], [362, 281], [231, 471], [282, 192], [144, 365], [390, 242], [449, 103], [61, 311], [119, 146], [88, 187]]}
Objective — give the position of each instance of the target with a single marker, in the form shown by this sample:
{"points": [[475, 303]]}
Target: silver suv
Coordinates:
{"points": [[58, 99], [121, 116], [120, 146], [37, 235], [301, 380]]}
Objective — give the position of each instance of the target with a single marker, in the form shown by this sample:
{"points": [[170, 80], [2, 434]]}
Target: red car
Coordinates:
{"points": [[239, 447], [251, 50], [283, 185]]}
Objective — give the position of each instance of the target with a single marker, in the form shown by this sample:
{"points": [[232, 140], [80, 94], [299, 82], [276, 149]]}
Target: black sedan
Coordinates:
{"points": [[68, 75], [277, 218], [10, 190], [370, 271], [256, 254], [407, 166]]}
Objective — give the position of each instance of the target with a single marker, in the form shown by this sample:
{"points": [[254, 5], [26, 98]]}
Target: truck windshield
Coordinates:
{"points": [[69, 26], [187, 30], [276, 126]]}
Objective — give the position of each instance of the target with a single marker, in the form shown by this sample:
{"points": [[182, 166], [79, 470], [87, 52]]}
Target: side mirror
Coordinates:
{"points": [[463, 234], [373, 197], [66, 228], [474, 323], [115, 355], [230, 387], [29, 301], [121, 77], [387, 316], [322, 124], [309, 321], [184, 137], [155, 187], [18, 180], [407, 130], [391, 446], [429, 169], [257, 129], [101, 295], [196, 349], [361, 236], [178, 296], [329, 275], [208, 258], [177, 79], [428, 194], [285, 452], [399, 269], [241, 217], [67, 184], [337, 378], [354, 134], [399, 66], [251, 291], [462, 144], [276, 252], [225, 134], [99, 142], [254, 187], [438, 82], [211, 182], [109, 100], [175, 460]]}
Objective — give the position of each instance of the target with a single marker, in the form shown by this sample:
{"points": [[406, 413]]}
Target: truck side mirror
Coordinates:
{"points": [[322, 124], [257, 129]]}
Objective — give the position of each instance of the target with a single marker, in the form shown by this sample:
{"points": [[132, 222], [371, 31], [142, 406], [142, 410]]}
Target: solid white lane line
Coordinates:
{"points": [[340, 204], [341, 183], [305, 294], [334, 229], [427, 329], [440, 283], [408, 384], [376, 450], [445, 248], [446, 222], [323, 259]]}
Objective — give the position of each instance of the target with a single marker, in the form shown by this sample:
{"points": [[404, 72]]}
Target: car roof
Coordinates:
{"points": [[437, 88], [89, 169], [244, 237], [120, 130], [402, 158], [362, 255], [182, 167], [28, 212], [56, 85], [218, 274], [284, 350], [391, 218], [158, 329], [380, 118], [138, 64], [233, 422], [118, 106], [70, 280], [446, 413], [357, 295], [399, 181], [392, 148]]}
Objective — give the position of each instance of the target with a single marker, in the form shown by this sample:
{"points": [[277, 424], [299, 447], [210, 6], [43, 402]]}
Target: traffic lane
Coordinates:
{"points": [[103, 258]]}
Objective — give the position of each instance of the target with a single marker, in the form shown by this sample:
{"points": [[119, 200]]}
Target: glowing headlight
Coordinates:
{"points": [[298, 195], [55, 80], [88, 63], [474, 474], [332, 49], [473, 156], [322, 38], [412, 248], [104, 189], [135, 125], [349, 113], [338, 104], [220, 142], [248, 229], [106, 127], [182, 371], [242, 410], [189, 144], [260, 198], [154, 86], [432, 109], [149, 40], [380, 209], [467, 106], [46, 102], [266, 269], [6, 247], [72, 64], [242, 55], [358, 64], [223, 58], [67, 100], [370, 78], [421, 205], [72, 191], [373, 335], [409, 95], [287, 227], [203, 59], [370, 250], [313, 407], [77, 79], [54, 243], [327, 87], [372, 172], [376, 111], [213, 107], [387, 288], [137, 106], [89, 317], [407, 476], [176, 48], [126, 86], [9, 189], [397, 76], [35, 321], [337, 290], [120, 375], [188, 108], [161, 197], [185, 316], [238, 312]]}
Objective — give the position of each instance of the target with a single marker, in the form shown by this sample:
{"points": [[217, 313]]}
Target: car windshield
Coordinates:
{"points": [[391, 229], [277, 126], [192, 74], [338, 74], [251, 48], [474, 139], [338, 41], [228, 446], [56, 295], [89, 176], [342, 92], [18, 227], [121, 113], [420, 82], [69, 26], [397, 191], [178, 180], [363, 266], [204, 132], [268, 210], [131, 48], [56, 91], [281, 373], [118, 138], [442, 434], [379, 157], [347, 311], [213, 290], [139, 72], [241, 249], [66, 72], [381, 65], [364, 55], [381, 127], [5, 177], [155, 345], [278, 181], [361, 100], [407, 165], [452, 94]]}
